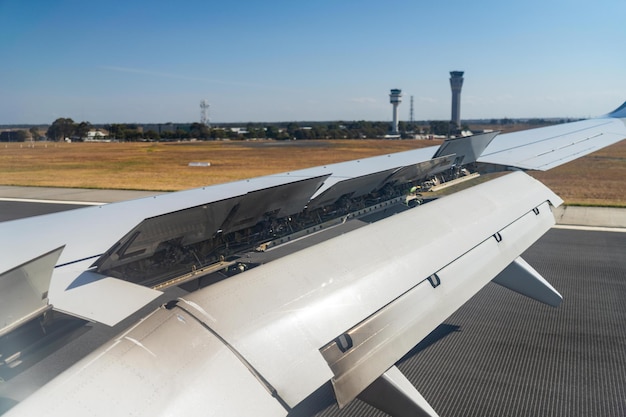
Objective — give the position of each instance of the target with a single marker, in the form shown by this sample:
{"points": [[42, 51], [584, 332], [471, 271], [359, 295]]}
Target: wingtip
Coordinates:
{"points": [[619, 112]]}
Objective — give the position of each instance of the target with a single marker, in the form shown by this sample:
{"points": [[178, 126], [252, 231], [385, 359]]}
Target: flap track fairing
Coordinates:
{"points": [[522, 278]]}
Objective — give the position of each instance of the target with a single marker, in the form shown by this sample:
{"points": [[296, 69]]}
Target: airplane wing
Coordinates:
{"points": [[546, 148], [143, 246], [344, 310]]}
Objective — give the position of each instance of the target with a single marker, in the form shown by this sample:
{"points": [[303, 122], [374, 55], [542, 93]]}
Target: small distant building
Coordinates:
{"points": [[239, 130], [95, 136]]}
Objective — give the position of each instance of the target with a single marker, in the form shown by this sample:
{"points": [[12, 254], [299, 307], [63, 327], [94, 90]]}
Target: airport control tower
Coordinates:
{"points": [[395, 98], [456, 83]]}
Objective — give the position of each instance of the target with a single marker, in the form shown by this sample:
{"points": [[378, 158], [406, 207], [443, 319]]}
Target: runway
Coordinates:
{"points": [[499, 355], [502, 354]]}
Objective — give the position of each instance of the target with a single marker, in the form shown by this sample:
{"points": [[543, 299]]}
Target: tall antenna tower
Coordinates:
{"points": [[204, 113], [411, 115]]}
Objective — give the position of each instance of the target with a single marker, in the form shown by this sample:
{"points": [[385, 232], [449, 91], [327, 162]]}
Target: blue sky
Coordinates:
{"points": [[154, 61]]}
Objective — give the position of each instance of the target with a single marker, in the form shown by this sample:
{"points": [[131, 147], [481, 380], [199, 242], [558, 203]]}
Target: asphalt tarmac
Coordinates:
{"points": [[499, 355], [502, 354]]}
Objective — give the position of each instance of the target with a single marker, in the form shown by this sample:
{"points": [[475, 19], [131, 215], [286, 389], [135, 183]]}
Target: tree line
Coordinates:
{"points": [[66, 128]]}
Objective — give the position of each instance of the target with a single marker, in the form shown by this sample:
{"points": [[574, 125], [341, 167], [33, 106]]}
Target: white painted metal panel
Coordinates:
{"points": [[279, 315], [546, 148], [382, 339], [167, 365], [262, 331], [24, 290], [95, 297]]}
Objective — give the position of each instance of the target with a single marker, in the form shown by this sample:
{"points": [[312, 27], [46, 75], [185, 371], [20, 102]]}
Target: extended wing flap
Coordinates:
{"points": [[343, 310], [338, 287], [384, 337]]}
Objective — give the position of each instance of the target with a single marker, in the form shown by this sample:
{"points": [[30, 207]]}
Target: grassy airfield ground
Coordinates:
{"points": [[597, 179]]}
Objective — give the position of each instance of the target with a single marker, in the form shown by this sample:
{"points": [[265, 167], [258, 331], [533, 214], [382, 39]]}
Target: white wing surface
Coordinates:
{"points": [[344, 310], [545, 148]]}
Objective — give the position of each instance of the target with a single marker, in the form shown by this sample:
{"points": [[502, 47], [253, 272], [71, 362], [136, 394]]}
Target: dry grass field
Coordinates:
{"points": [[164, 166], [598, 179]]}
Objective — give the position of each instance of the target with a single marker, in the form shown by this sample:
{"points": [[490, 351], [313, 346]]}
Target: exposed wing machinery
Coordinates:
{"points": [[173, 231]]}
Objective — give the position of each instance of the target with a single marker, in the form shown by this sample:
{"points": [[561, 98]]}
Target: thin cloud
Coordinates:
{"points": [[363, 100], [428, 100], [179, 77]]}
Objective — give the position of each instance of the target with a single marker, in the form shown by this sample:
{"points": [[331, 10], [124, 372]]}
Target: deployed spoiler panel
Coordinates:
{"points": [[199, 223]]}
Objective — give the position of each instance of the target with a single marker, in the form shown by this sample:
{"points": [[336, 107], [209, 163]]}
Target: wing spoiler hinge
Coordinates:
{"points": [[522, 278], [393, 394]]}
